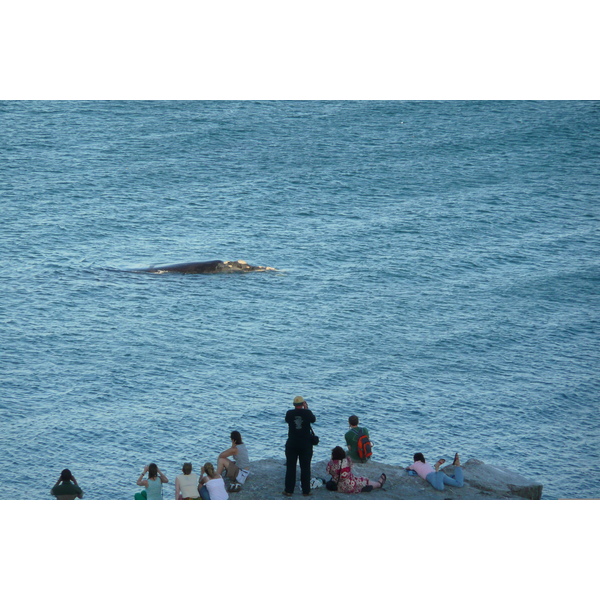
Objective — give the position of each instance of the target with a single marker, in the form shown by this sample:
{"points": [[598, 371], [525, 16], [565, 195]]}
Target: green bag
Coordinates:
{"points": [[141, 495]]}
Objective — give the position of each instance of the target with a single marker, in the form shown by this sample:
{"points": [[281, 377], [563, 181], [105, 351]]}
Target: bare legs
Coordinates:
{"points": [[222, 464]]}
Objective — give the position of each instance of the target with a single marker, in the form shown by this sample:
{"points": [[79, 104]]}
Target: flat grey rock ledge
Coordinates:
{"points": [[482, 482]]}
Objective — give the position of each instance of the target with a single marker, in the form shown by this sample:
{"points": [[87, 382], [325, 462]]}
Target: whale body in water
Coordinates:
{"points": [[207, 267]]}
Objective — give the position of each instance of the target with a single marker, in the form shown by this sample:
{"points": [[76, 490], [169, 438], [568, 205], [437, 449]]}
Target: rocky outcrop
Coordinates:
{"points": [[482, 482], [498, 480]]}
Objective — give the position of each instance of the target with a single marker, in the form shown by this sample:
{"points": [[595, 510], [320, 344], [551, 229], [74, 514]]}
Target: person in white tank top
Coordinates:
{"points": [[212, 485]]}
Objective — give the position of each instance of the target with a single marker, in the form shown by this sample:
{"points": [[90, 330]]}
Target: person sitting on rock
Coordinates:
{"points": [[66, 487], [233, 459], [340, 469], [212, 485], [433, 475], [186, 485], [153, 483], [352, 436]]}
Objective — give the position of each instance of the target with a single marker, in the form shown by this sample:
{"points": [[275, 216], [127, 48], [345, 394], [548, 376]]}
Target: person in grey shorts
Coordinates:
{"points": [[234, 458]]}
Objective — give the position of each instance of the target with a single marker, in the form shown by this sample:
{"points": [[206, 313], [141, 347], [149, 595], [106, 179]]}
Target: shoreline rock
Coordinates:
{"points": [[482, 482]]}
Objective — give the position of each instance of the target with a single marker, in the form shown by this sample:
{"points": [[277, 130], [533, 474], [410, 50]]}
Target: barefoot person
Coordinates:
{"points": [[340, 469], [433, 475], [154, 482]]}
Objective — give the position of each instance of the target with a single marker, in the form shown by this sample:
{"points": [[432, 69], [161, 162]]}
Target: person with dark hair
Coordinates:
{"points": [[186, 485], [433, 475], [66, 487], [212, 485], [352, 436], [153, 483], [299, 446], [340, 469], [233, 459]]}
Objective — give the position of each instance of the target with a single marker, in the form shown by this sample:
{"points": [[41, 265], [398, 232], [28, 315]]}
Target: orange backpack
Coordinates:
{"points": [[364, 446]]}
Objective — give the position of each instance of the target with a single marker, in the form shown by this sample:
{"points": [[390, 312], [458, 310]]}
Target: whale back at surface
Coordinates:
{"points": [[210, 266]]}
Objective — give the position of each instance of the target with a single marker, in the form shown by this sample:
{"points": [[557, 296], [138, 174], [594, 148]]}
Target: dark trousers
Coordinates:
{"points": [[298, 452]]}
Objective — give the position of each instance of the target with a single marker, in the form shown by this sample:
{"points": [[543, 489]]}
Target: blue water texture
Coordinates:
{"points": [[438, 276]]}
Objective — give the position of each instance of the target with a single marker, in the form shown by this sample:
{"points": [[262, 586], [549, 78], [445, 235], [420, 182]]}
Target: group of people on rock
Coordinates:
{"points": [[234, 463], [209, 485], [299, 449]]}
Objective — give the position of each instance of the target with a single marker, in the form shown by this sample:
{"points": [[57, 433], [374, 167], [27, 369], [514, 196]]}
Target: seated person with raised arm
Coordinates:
{"points": [[234, 458]]}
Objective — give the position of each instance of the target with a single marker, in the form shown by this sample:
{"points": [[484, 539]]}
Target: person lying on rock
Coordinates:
{"points": [[340, 469], [433, 475]]}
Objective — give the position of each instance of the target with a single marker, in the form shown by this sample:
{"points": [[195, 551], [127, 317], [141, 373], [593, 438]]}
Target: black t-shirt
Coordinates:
{"points": [[299, 420]]}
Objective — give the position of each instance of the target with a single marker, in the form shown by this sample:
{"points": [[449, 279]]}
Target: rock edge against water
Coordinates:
{"points": [[482, 482]]}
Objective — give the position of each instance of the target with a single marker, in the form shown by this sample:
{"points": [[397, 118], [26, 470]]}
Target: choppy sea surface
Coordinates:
{"points": [[438, 275]]}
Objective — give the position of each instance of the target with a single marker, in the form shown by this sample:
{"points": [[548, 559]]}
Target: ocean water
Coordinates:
{"points": [[438, 275]]}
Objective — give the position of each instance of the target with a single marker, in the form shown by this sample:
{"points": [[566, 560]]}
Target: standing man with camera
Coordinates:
{"points": [[299, 446]]}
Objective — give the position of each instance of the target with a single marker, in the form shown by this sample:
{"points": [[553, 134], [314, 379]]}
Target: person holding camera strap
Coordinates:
{"points": [[299, 446]]}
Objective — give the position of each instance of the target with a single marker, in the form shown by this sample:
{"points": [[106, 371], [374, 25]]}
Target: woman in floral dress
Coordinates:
{"points": [[340, 469]]}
